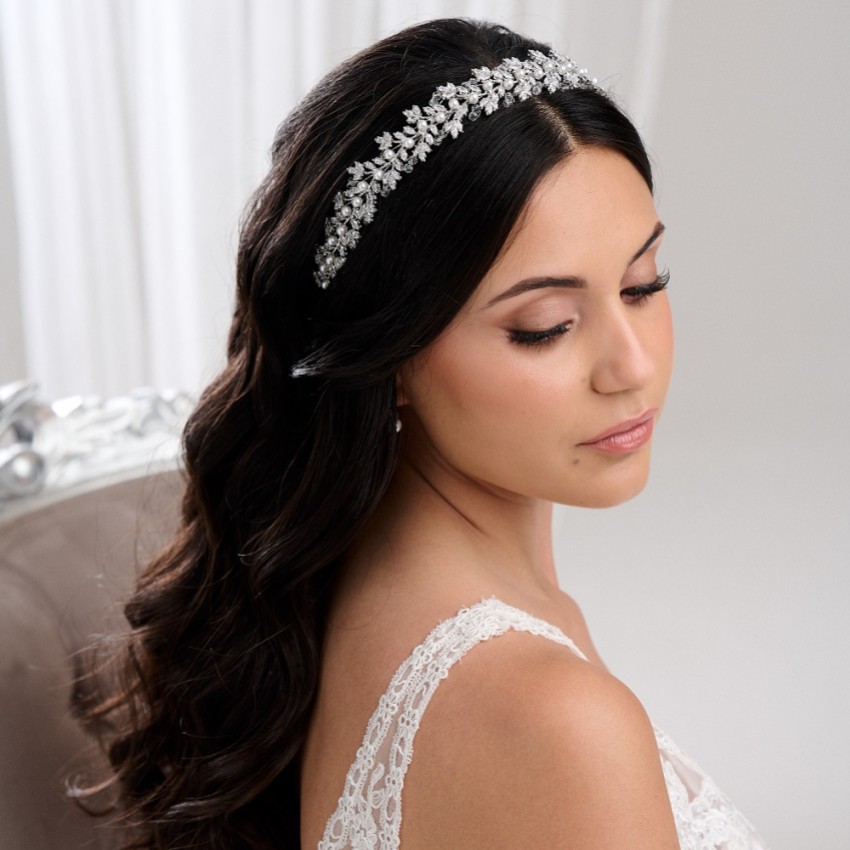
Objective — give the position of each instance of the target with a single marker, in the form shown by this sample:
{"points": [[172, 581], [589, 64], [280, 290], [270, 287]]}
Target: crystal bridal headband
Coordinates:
{"points": [[425, 128]]}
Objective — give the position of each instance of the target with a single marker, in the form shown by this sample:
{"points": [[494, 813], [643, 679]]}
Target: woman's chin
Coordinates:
{"points": [[608, 492]]}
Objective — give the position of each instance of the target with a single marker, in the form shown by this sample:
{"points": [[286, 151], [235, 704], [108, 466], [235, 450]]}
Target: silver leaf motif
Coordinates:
{"points": [[426, 127]]}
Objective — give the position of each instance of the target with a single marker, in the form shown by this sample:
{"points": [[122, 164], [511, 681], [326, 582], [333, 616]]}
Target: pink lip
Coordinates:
{"points": [[628, 436]]}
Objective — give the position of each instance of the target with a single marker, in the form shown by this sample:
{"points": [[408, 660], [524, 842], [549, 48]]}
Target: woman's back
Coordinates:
{"points": [[365, 646], [391, 593], [569, 760]]}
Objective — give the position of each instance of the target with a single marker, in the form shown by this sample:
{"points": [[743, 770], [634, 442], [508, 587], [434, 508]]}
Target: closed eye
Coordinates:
{"points": [[538, 339], [640, 294], [637, 295]]}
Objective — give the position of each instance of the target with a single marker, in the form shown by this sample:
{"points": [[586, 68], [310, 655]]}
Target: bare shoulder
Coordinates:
{"points": [[529, 746]]}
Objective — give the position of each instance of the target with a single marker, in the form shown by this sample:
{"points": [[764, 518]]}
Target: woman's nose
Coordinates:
{"points": [[623, 354]]}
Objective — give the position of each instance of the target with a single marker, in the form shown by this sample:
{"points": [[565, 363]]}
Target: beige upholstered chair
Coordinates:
{"points": [[88, 490]]}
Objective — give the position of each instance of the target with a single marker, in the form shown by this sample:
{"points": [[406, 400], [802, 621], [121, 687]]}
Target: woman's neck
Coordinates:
{"points": [[434, 522]]}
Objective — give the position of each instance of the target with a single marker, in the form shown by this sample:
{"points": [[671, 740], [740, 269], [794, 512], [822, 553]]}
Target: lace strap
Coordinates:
{"points": [[368, 815]]}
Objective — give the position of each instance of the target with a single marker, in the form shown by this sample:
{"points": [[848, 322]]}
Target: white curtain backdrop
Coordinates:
{"points": [[139, 127]]}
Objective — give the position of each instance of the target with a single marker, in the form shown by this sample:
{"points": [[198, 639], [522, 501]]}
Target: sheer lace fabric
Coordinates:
{"points": [[368, 815]]}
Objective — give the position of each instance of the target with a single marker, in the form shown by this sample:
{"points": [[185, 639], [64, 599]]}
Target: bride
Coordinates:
{"points": [[450, 315]]}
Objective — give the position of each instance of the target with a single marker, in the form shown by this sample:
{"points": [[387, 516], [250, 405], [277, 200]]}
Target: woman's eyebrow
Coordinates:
{"points": [[659, 229], [570, 282], [538, 283]]}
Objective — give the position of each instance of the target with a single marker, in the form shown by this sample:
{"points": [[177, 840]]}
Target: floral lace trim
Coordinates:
{"points": [[368, 815], [706, 819]]}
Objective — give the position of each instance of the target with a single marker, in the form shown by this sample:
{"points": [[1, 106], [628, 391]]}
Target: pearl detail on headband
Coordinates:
{"points": [[425, 128]]}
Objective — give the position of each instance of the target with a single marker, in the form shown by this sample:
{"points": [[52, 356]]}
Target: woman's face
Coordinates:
{"points": [[567, 339]]}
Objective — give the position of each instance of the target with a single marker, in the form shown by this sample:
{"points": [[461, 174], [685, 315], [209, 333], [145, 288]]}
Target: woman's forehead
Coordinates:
{"points": [[591, 209]]}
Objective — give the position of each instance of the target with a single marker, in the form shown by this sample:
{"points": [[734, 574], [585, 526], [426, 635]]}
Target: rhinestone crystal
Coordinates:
{"points": [[429, 126]]}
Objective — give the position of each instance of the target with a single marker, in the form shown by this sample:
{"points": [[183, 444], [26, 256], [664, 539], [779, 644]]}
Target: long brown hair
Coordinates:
{"points": [[218, 673]]}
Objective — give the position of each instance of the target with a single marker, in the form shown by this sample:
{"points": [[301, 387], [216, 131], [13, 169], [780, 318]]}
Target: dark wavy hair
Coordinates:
{"points": [[219, 670]]}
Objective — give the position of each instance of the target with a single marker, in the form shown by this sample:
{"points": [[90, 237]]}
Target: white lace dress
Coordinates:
{"points": [[368, 815]]}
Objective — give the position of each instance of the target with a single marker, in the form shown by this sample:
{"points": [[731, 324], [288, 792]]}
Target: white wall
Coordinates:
{"points": [[721, 595]]}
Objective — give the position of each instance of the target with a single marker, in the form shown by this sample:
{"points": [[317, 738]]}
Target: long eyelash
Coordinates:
{"points": [[538, 339], [640, 294]]}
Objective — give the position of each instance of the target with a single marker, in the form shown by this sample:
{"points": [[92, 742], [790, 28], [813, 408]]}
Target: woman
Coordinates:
{"points": [[489, 335]]}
